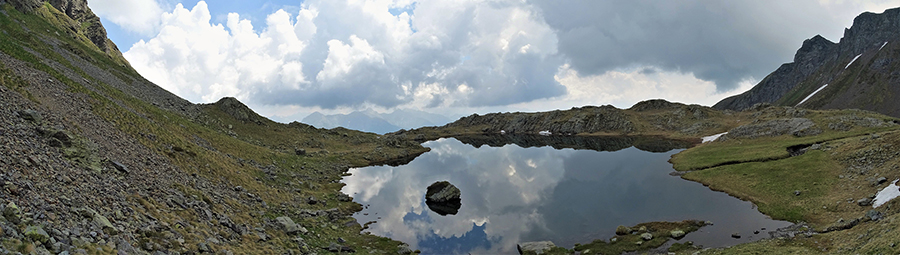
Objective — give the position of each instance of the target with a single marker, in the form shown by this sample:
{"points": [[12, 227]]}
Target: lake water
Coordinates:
{"points": [[518, 191]]}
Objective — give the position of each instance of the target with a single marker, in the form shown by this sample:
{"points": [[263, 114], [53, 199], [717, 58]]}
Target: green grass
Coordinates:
{"points": [[772, 246], [771, 185], [735, 151]]}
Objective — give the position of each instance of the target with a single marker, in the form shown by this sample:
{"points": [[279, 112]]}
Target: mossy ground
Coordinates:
{"points": [[829, 179]]}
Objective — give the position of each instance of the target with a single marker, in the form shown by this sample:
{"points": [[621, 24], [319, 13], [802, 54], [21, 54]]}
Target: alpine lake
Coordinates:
{"points": [[564, 189]]}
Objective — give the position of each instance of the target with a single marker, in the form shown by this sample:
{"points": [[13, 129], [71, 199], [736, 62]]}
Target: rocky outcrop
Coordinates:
{"points": [[819, 62], [238, 110], [85, 22], [654, 117], [588, 119]]}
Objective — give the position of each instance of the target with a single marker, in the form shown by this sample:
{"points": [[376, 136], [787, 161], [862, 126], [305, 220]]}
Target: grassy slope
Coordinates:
{"points": [[768, 148], [175, 135], [830, 180]]}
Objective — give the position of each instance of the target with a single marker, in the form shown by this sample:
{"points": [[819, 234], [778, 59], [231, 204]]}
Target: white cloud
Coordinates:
{"points": [[625, 88], [204, 62], [139, 16], [336, 54], [342, 57]]}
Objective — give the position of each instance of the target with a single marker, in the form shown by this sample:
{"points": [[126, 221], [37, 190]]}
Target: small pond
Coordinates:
{"points": [[531, 188]]}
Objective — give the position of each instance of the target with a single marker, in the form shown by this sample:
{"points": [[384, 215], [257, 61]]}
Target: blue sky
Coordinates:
{"points": [[286, 59]]}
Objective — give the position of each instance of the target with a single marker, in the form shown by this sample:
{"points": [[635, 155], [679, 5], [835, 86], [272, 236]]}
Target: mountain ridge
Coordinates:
{"points": [[820, 61]]}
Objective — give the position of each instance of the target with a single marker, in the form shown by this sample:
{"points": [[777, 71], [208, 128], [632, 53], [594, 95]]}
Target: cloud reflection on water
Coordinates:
{"points": [[511, 194]]}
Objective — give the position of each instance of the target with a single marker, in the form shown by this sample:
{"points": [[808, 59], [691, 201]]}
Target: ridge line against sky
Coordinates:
{"points": [[286, 59]]}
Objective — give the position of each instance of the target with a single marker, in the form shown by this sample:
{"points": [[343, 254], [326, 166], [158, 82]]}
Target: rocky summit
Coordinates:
{"points": [[860, 71]]}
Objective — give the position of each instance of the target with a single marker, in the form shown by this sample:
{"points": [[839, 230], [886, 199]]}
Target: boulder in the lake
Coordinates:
{"points": [[443, 198], [442, 192], [535, 247]]}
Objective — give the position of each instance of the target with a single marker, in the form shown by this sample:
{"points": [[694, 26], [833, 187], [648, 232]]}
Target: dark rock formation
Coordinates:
{"points": [[814, 53], [443, 198]]}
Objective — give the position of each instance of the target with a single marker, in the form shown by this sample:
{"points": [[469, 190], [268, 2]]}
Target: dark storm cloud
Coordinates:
{"points": [[720, 41]]}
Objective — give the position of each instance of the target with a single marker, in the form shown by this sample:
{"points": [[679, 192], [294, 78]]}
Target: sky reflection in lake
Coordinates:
{"points": [[512, 194]]}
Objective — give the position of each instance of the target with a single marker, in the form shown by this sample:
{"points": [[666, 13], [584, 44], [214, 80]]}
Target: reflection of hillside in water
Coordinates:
{"points": [[597, 143]]}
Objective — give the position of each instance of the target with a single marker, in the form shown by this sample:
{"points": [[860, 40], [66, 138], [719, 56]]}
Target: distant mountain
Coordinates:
{"points": [[355, 120], [372, 121], [861, 71], [409, 119]]}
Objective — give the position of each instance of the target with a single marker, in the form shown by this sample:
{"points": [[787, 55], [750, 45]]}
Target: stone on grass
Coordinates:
{"points": [[677, 233], [289, 226]]}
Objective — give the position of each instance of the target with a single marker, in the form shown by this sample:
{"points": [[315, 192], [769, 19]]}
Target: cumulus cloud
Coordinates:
{"points": [[335, 54], [139, 16], [623, 88]]}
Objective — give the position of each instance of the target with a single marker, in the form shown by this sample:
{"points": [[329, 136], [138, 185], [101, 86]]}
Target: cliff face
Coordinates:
{"points": [[819, 62]]}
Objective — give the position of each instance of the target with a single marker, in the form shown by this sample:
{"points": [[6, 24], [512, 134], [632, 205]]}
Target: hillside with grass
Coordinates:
{"points": [[96, 159]]}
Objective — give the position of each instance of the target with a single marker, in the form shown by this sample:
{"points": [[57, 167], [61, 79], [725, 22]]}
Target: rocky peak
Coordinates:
{"points": [[814, 49], [238, 110], [871, 30], [811, 62]]}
